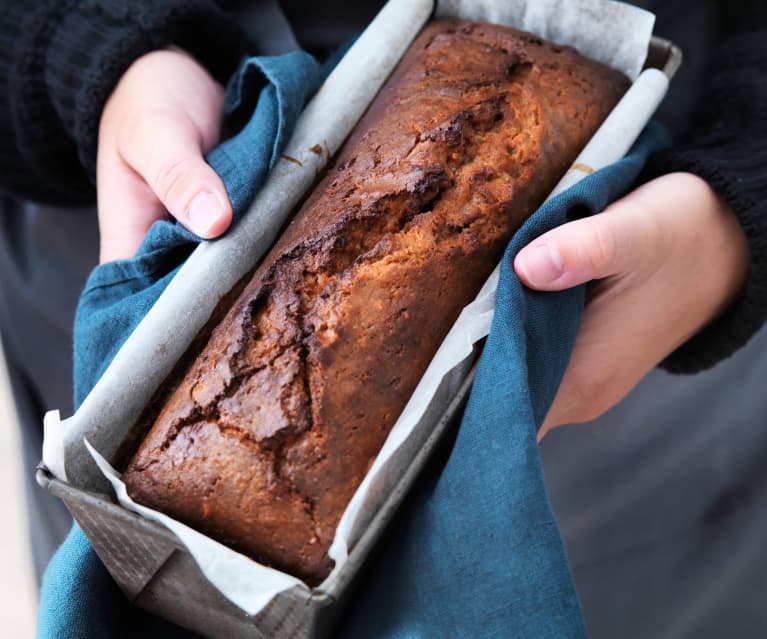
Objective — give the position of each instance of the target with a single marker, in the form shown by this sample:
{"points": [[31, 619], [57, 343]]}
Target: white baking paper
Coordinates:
{"points": [[611, 142], [231, 572], [163, 335], [601, 29], [621, 128], [614, 33]]}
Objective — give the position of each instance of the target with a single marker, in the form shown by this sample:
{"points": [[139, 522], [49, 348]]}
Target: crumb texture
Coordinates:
{"points": [[265, 439]]}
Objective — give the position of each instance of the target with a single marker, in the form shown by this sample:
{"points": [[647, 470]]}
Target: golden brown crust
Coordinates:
{"points": [[268, 435]]}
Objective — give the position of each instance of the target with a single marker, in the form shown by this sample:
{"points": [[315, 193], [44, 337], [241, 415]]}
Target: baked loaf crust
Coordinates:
{"points": [[265, 439]]}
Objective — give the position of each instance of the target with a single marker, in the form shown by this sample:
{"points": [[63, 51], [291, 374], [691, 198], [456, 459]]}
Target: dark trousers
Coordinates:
{"points": [[662, 503], [46, 254]]}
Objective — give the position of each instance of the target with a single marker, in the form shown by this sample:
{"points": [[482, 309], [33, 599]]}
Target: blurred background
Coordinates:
{"points": [[18, 596]]}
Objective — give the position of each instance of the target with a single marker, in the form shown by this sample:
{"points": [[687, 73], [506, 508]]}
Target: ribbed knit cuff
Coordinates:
{"points": [[727, 147], [738, 173], [73, 57]]}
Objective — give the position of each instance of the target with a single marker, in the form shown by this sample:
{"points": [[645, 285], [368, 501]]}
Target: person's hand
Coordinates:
{"points": [[667, 259], [163, 116]]}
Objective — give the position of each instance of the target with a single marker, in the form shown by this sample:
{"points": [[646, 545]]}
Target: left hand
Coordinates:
{"points": [[667, 258], [163, 116]]}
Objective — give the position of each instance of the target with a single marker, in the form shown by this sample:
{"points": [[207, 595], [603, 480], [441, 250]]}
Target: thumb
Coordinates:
{"points": [[591, 248], [167, 152]]}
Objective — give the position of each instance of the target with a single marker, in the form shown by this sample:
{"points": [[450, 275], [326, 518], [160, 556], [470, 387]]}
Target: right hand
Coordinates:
{"points": [[663, 261], [164, 114]]}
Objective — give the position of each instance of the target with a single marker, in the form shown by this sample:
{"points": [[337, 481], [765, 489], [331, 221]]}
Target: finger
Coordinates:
{"points": [[592, 248], [674, 288], [127, 207], [629, 324], [165, 149], [605, 363]]}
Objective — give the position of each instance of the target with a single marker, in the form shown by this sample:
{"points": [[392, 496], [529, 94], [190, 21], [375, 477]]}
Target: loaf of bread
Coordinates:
{"points": [[266, 436]]}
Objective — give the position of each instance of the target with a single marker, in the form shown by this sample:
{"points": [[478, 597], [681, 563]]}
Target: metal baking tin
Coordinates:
{"points": [[156, 572]]}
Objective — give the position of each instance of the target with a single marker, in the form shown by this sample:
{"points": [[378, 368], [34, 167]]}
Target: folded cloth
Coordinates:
{"points": [[271, 91], [78, 598], [477, 552]]}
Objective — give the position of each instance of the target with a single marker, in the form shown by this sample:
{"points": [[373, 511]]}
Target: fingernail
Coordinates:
{"points": [[205, 211], [542, 264]]}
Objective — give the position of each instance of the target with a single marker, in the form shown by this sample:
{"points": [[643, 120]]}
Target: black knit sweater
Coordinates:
{"points": [[60, 60], [726, 145]]}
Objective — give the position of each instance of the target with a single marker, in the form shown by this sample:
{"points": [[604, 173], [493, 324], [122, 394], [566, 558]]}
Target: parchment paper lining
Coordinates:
{"points": [[612, 32]]}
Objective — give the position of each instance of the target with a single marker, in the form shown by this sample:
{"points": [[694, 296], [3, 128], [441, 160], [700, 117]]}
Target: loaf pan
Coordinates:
{"points": [[156, 572]]}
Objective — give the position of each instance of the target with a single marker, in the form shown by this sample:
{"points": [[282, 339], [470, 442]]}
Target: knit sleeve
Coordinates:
{"points": [[59, 62], [727, 146]]}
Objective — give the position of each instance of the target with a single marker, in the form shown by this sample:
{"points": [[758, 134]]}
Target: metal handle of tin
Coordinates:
{"points": [[664, 55]]}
